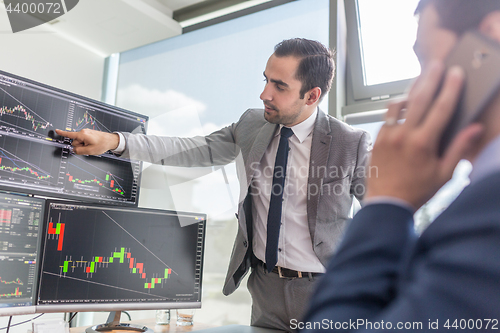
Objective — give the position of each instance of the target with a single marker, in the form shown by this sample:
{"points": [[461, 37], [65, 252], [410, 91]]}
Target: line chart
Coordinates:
{"points": [[30, 114], [20, 112], [90, 121], [84, 116], [16, 281], [13, 164]]}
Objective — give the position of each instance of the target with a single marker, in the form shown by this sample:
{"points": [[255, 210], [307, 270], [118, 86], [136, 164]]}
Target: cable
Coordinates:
{"points": [[8, 325], [72, 317], [17, 324], [128, 315]]}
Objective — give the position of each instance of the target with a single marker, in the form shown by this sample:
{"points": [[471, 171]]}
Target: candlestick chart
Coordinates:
{"points": [[101, 254], [30, 114], [101, 177]]}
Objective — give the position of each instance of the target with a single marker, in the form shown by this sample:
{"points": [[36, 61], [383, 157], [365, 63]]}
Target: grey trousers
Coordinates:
{"points": [[277, 301]]}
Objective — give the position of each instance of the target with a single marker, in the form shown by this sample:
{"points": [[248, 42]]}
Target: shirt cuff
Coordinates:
{"points": [[389, 200], [121, 144]]}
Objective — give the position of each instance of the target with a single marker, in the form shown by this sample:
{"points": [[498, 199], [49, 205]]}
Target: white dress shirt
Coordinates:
{"points": [[295, 250], [121, 144]]}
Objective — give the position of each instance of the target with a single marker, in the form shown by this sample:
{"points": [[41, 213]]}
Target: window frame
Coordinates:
{"points": [[356, 89]]}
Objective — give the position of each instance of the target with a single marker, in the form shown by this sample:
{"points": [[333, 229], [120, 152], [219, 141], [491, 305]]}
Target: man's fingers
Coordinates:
{"points": [[423, 93], [82, 150], [79, 147], [392, 116], [445, 104], [460, 146], [71, 135], [77, 143], [394, 111]]}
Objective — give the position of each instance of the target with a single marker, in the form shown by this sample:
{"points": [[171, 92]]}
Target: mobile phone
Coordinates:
{"points": [[479, 56]]}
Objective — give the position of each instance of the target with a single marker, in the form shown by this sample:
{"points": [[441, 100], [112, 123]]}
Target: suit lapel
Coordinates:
{"points": [[320, 149], [264, 137]]}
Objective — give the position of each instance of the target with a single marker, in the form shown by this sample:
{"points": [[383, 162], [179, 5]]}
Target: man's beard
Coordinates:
{"points": [[278, 118], [274, 117]]}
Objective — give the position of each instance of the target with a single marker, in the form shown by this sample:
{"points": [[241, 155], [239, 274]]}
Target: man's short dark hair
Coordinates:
{"points": [[316, 67], [460, 15]]}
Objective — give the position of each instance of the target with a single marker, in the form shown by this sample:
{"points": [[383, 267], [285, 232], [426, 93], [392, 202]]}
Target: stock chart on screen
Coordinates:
{"points": [[34, 160], [20, 233], [106, 255]]}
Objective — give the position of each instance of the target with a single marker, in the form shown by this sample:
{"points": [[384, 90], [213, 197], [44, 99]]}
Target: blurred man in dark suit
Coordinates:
{"points": [[383, 277]]}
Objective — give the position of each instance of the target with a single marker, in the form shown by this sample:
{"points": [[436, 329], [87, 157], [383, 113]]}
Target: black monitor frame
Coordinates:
{"points": [[66, 175], [191, 227]]}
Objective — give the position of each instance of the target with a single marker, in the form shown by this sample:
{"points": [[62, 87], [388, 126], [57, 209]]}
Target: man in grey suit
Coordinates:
{"points": [[324, 166]]}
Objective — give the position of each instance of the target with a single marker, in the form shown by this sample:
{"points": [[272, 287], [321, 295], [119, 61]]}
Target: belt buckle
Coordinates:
{"points": [[280, 273]]}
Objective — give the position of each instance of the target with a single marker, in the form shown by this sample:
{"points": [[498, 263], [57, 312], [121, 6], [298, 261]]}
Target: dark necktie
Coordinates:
{"points": [[274, 215]]}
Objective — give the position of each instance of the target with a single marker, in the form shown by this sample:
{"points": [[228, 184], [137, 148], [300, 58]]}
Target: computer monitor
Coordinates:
{"points": [[98, 258], [20, 237], [34, 160]]}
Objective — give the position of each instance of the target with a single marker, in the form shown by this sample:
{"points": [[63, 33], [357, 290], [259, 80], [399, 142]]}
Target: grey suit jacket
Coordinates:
{"points": [[339, 156]]}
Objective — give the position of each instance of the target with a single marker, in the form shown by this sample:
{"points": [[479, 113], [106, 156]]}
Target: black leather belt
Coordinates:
{"points": [[285, 273]]}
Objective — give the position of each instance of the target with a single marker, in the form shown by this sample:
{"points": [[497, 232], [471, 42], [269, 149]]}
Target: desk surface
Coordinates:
{"points": [[150, 323]]}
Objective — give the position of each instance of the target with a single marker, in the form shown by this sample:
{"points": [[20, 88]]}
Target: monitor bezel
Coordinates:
{"points": [[95, 307], [17, 310]]}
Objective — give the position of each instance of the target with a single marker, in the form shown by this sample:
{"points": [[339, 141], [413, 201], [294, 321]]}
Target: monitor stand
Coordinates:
{"points": [[113, 323]]}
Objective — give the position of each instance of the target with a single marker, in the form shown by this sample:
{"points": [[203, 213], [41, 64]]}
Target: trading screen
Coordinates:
{"points": [[20, 230], [99, 255], [35, 160]]}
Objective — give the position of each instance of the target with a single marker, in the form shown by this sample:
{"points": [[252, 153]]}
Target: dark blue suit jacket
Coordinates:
{"points": [[383, 275]]}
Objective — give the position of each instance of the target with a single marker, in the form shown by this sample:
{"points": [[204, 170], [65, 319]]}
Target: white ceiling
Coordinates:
{"points": [[178, 4], [109, 26]]}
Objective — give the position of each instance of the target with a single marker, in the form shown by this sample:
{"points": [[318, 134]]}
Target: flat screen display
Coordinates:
{"points": [[112, 258], [36, 161], [20, 237]]}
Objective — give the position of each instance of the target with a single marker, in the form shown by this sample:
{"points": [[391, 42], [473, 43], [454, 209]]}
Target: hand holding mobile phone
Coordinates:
{"points": [[479, 56]]}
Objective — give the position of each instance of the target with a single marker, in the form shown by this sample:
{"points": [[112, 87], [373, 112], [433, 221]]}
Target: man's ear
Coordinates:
{"points": [[490, 25], [313, 95]]}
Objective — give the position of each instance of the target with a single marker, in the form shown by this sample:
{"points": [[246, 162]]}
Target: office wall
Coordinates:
{"points": [[46, 56]]}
